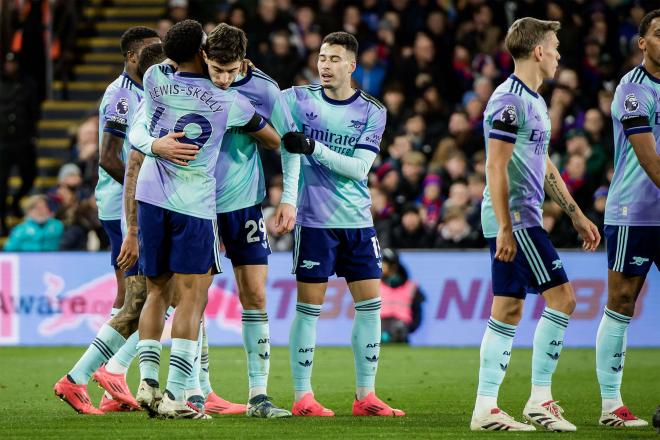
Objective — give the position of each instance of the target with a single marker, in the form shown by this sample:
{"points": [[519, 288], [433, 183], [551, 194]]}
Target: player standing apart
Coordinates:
{"points": [[517, 128], [632, 216], [341, 133], [116, 111]]}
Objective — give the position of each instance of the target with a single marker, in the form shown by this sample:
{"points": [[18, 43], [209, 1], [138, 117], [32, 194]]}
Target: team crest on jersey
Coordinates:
{"points": [[122, 106], [356, 124], [631, 103], [509, 115]]}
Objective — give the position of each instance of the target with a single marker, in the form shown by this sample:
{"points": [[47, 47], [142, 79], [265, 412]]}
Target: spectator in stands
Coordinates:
{"points": [[370, 73], [597, 211], [410, 234], [19, 113], [431, 200], [39, 232], [283, 63], [79, 218], [413, 165], [401, 312], [86, 151], [382, 211], [455, 232]]}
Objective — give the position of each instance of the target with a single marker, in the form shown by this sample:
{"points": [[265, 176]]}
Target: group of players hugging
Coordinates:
{"points": [[180, 173]]}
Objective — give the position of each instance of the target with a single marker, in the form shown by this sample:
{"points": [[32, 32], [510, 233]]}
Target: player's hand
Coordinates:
{"points": [[129, 252], [285, 218], [297, 143], [506, 247], [169, 148], [588, 232]]}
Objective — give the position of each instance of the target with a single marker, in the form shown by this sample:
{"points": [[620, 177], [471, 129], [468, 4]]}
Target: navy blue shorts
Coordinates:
{"points": [[350, 253], [243, 233], [632, 249], [175, 242], [536, 267], [113, 229]]}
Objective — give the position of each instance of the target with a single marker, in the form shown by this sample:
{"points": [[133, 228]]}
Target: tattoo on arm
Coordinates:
{"points": [[558, 192], [126, 321], [130, 205]]}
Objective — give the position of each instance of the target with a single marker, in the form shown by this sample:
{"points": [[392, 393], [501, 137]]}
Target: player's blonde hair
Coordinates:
{"points": [[527, 33]]}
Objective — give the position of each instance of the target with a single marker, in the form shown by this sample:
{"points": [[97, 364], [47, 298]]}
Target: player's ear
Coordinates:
{"points": [[206, 59], [538, 52], [641, 43]]}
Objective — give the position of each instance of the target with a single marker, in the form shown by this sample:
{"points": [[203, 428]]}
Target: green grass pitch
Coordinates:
{"points": [[435, 386]]}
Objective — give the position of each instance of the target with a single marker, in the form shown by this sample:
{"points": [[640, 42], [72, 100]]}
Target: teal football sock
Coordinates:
{"points": [[120, 362], [302, 342], [204, 379], [611, 352], [547, 345], [256, 340], [495, 355], [365, 340], [149, 354], [193, 387], [102, 348], [182, 359]]}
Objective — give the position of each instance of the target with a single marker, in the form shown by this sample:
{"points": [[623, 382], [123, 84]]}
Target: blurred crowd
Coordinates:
{"points": [[434, 65]]}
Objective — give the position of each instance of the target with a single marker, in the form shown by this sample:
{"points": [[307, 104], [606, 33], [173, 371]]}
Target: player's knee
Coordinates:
{"points": [[623, 303], [253, 299]]}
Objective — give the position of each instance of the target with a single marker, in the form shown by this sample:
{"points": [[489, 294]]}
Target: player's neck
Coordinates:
{"points": [[651, 67], [530, 75], [132, 75], [191, 67], [341, 93]]}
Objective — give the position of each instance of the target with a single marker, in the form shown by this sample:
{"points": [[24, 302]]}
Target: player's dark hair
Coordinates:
{"points": [[527, 33], [133, 37], [183, 41], [342, 39], [150, 55], [645, 24], [226, 44]]}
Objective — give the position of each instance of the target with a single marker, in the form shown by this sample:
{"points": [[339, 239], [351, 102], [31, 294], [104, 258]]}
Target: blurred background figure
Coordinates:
{"points": [[39, 231], [401, 298], [19, 113]]}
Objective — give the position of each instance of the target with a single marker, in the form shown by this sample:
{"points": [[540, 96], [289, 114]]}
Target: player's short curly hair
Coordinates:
{"points": [[226, 44], [527, 33], [133, 37], [150, 55], [342, 39], [183, 41], [645, 24]]}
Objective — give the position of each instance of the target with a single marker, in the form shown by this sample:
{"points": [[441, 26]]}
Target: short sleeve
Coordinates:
{"points": [[505, 114], [373, 131], [240, 112], [633, 105], [116, 114]]}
